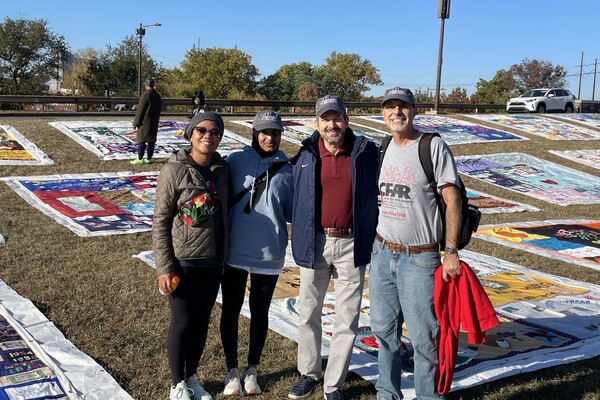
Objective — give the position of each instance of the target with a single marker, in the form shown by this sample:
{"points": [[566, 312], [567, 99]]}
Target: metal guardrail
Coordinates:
{"points": [[78, 101]]}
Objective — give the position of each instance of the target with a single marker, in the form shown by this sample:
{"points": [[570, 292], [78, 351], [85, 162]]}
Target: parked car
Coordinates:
{"points": [[542, 100]]}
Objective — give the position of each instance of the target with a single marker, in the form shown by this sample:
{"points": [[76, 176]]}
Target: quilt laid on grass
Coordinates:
{"points": [[533, 177], [455, 131], [111, 140], [572, 241], [16, 149], [38, 362], [92, 204], [296, 130], [489, 204], [540, 126], [587, 157], [591, 120], [545, 320]]}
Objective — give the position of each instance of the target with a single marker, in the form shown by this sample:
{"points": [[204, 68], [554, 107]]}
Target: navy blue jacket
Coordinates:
{"points": [[364, 198]]}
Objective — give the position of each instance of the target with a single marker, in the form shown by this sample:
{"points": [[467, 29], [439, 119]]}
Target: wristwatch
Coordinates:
{"points": [[451, 250]]}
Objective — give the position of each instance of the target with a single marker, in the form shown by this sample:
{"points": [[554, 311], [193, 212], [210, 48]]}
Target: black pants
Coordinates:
{"points": [[191, 304], [233, 289], [142, 149]]}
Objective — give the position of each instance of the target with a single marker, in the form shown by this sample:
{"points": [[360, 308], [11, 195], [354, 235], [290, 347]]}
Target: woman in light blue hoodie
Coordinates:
{"points": [[261, 187]]}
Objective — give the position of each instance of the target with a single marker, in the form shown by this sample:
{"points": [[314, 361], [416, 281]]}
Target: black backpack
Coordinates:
{"points": [[470, 213]]}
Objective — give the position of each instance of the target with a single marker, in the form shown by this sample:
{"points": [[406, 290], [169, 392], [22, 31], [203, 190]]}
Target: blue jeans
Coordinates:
{"points": [[401, 290]]}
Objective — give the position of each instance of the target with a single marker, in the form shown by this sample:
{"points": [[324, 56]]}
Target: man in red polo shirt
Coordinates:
{"points": [[333, 226]]}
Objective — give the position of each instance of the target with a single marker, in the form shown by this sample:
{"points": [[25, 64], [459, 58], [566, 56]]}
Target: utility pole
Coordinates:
{"points": [[141, 32], [443, 13], [594, 86], [580, 73]]}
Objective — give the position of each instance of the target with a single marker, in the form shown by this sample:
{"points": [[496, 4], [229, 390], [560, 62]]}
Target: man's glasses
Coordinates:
{"points": [[401, 106], [202, 130]]}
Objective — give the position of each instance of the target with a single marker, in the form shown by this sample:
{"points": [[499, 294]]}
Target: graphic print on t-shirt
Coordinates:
{"points": [[395, 187]]}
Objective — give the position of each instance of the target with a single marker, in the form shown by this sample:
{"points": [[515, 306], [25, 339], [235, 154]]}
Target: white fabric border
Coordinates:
{"points": [[84, 143], [447, 136], [64, 128], [14, 184], [591, 120], [520, 207], [528, 126], [79, 374], [579, 156], [528, 159], [537, 250], [41, 158]]}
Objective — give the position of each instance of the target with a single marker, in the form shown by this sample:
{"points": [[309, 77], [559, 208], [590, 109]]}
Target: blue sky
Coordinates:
{"points": [[400, 38]]}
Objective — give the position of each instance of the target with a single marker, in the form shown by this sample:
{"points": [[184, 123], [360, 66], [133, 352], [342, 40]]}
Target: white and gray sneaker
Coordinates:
{"points": [[232, 383], [250, 379], [180, 392], [196, 385]]}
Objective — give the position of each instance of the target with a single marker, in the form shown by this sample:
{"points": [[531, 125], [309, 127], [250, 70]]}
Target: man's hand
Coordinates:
{"points": [[450, 266]]}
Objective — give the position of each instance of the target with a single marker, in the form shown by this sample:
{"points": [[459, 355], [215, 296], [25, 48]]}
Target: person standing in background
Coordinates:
{"points": [[146, 122], [198, 103]]}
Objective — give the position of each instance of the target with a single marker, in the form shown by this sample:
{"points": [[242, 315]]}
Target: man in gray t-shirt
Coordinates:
{"points": [[406, 250]]}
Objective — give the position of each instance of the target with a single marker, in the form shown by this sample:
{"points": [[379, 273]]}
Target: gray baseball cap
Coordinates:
{"points": [[330, 103], [267, 119], [399, 93]]}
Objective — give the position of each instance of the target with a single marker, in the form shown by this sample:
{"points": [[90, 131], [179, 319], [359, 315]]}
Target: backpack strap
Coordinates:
{"points": [[382, 149], [260, 180], [427, 164]]}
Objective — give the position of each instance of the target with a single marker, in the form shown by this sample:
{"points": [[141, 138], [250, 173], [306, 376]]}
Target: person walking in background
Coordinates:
{"points": [[333, 226], [198, 103], [406, 249], [146, 122], [262, 188], [189, 239]]}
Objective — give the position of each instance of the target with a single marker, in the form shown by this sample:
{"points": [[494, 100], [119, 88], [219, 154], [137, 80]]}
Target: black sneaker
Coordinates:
{"points": [[303, 387], [336, 395]]}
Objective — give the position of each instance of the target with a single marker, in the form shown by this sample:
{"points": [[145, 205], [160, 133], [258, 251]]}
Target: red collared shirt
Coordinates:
{"points": [[334, 191]]}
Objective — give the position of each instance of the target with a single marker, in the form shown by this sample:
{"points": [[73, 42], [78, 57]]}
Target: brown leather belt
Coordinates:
{"points": [[335, 232], [400, 248]]}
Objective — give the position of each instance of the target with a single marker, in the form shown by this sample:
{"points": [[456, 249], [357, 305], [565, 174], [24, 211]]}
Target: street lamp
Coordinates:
{"points": [[141, 32], [443, 13]]}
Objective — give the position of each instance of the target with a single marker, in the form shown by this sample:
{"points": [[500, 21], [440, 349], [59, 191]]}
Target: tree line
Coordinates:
{"points": [[30, 55]]}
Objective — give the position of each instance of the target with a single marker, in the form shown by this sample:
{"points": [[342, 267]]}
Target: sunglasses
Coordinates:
{"points": [[202, 130]]}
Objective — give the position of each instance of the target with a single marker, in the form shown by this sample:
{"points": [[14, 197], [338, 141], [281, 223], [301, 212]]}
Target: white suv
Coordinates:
{"points": [[542, 100]]}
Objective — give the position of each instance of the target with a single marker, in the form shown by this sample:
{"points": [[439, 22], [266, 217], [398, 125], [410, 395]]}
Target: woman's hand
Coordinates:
{"points": [[167, 283]]}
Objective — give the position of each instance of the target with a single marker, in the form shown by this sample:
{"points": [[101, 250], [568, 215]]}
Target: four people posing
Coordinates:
{"points": [[330, 193]]}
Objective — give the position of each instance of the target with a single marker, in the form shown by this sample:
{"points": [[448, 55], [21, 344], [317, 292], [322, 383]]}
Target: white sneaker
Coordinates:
{"points": [[232, 383], [180, 392], [250, 378], [199, 392]]}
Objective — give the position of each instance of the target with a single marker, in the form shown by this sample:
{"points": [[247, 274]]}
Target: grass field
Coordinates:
{"points": [[108, 305]]}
